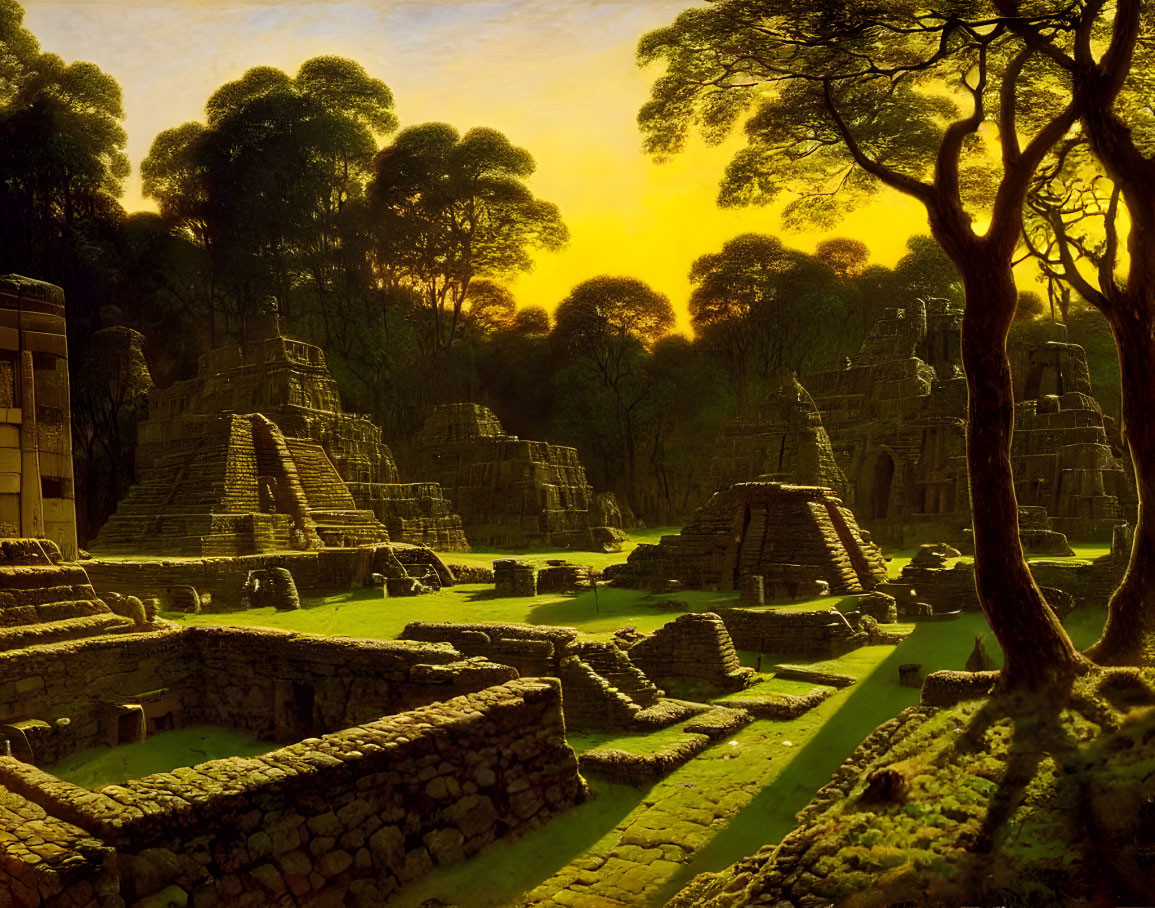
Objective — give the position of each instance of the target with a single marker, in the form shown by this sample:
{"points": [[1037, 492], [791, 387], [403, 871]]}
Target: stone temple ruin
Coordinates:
{"points": [[896, 414], [799, 540], [511, 492], [386, 758], [255, 454], [36, 483], [782, 439]]}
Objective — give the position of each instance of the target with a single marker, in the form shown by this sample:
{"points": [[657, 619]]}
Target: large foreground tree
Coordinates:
{"points": [[1094, 203], [955, 106]]}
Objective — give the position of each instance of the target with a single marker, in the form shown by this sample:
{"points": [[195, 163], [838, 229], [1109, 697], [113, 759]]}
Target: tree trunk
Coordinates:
{"points": [[1037, 651], [1129, 636]]}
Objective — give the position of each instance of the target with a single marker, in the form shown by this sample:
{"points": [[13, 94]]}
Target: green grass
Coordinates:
{"points": [[486, 556], [162, 752], [1089, 551], [366, 613], [648, 743], [509, 868]]}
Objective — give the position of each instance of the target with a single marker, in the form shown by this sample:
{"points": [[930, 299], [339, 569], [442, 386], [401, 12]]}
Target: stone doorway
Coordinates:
{"points": [[880, 482]]}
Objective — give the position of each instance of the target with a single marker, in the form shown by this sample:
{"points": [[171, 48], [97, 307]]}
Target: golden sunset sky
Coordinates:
{"points": [[557, 76]]}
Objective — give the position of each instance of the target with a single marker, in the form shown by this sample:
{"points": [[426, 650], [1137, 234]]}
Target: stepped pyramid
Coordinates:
{"points": [[511, 492], [235, 485], [788, 535], [255, 454], [780, 439]]}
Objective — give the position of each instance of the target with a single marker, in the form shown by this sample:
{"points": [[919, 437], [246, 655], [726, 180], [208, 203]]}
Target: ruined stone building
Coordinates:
{"points": [[256, 454], [509, 491], [782, 439], [36, 481], [896, 418], [798, 539]]}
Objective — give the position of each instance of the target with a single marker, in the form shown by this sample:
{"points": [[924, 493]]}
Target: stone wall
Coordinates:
{"points": [[508, 491], [273, 684], [603, 688], [350, 817], [792, 536], [694, 646], [809, 636], [327, 570]]}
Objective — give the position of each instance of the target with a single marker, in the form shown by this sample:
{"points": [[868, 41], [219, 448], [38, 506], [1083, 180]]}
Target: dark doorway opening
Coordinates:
{"points": [[880, 486]]}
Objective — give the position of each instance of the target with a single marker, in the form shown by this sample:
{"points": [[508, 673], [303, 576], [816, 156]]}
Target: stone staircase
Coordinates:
{"points": [[619, 672]]}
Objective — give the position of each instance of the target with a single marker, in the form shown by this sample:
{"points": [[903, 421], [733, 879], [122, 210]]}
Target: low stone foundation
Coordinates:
{"points": [[224, 579], [350, 817], [795, 635], [273, 684]]}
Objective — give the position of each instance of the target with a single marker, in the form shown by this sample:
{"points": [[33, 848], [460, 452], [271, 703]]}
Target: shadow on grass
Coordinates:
{"points": [[504, 871], [767, 818]]}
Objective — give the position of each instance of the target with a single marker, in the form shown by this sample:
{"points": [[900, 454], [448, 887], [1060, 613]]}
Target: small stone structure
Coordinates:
{"points": [[511, 492], [36, 478], [513, 577], [272, 588], [255, 454], [808, 636], [46, 600], [794, 537], [603, 688], [781, 439], [348, 818], [694, 646]]}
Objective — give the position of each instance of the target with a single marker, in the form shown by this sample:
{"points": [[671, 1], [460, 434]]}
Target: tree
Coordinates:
{"points": [[490, 306], [607, 324], [766, 306], [1080, 202], [451, 208], [848, 97], [846, 257], [62, 160], [269, 186]]}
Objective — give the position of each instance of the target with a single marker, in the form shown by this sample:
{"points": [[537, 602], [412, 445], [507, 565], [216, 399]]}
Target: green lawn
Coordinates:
{"points": [[486, 556], [724, 804], [162, 752]]}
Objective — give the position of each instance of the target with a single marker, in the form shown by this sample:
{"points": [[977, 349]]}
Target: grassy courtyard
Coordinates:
{"points": [[626, 846]]}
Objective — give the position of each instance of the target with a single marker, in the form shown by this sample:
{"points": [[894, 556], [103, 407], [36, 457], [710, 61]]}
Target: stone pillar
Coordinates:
{"points": [[31, 499], [753, 590]]}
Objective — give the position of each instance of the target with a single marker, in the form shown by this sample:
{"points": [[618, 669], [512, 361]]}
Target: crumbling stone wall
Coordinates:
{"points": [[809, 636], [510, 492], [695, 646], [350, 817], [603, 688], [789, 535], [273, 684], [223, 579]]}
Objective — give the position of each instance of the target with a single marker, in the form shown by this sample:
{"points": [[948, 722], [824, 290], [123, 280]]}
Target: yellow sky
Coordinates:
{"points": [[557, 76]]}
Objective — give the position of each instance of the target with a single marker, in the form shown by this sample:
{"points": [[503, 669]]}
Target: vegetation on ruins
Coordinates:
{"points": [[956, 108]]}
